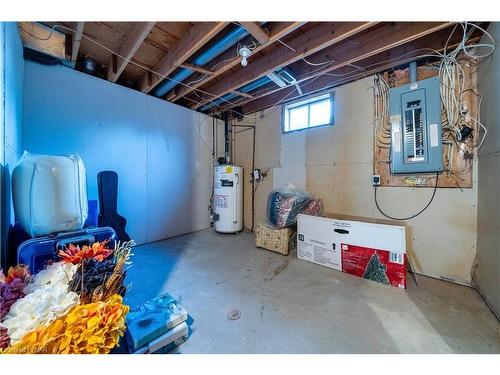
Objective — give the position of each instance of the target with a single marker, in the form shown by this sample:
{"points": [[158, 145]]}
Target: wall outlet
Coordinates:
{"points": [[376, 180]]}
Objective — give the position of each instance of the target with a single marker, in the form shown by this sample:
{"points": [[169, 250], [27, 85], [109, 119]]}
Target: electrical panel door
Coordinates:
{"points": [[415, 114]]}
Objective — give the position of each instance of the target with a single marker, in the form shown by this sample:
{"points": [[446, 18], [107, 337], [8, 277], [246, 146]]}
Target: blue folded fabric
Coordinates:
{"points": [[152, 319]]}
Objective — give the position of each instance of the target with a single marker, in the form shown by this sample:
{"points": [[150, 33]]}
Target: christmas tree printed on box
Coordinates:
{"points": [[374, 264], [376, 270]]}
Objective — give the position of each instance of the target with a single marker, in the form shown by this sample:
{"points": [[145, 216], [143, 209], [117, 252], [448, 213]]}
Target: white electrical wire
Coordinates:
{"points": [[304, 59], [317, 64], [450, 73], [287, 46], [452, 77], [131, 61], [349, 75]]}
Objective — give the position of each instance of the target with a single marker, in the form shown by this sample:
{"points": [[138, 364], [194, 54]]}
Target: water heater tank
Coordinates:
{"points": [[228, 198]]}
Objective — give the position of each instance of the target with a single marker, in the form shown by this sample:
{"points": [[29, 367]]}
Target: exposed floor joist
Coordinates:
{"points": [[117, 65], [77, 38], [197, 68], [374, 64], [244, 94], [354, 50], [302, 46], [307, 49], [256, 31], [227, 60], [196, 38]]}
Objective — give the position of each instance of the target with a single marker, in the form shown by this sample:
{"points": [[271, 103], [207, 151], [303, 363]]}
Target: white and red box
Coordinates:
{"points": [[370, 250]]}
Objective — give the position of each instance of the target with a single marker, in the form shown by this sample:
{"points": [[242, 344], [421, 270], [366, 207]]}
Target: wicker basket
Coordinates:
{"points": [[279, 240]]}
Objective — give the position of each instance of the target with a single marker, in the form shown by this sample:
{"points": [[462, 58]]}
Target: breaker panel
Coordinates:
{"points": [[415, 115]]}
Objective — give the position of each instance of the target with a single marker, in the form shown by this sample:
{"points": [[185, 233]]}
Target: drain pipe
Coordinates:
{"points": [[248, 87], [413, 73], [226, 137]]}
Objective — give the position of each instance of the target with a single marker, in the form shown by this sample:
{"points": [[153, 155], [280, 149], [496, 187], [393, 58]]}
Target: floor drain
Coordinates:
{"points": [[234, 314]]}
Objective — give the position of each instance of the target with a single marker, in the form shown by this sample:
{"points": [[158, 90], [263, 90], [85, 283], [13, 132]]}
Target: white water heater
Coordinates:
{"points": [[228, 198]]}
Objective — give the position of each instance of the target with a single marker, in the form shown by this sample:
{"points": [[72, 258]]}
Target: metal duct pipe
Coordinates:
{"points": [[203, 58], [413, 72], [248, 87], [226, 137]]}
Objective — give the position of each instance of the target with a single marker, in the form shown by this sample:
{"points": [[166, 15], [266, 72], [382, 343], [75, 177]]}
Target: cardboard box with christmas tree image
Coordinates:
{"points": [[377, 265], [363, 247]]}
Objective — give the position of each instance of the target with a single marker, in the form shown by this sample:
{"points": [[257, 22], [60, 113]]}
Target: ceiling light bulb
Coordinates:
{"points": [[244, 52]]}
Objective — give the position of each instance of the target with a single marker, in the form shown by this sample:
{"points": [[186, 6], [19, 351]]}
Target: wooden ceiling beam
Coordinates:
{"points": [[116, 64], [244, 94], [189, 44], [318, 38], [197, 68], [352, 51], [385, 38], [227, 60], [256, 31], [77, 38], [374, 64]]}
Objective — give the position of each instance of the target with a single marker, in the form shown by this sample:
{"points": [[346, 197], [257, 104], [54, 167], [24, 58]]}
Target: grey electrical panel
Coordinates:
{"points": [[415, 115]]}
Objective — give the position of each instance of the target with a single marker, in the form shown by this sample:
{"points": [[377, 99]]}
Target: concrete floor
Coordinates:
{"points": [[292, 306]]}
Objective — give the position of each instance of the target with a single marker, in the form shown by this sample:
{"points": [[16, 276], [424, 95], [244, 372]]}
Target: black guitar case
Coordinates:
{"points": [[107, 183]]}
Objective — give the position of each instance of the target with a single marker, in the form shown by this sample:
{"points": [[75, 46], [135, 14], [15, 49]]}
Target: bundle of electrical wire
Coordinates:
{"points": [[452, 78]]}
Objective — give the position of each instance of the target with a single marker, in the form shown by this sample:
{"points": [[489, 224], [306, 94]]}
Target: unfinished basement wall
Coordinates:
{"points": [[11, 112], [488, 215], [161, 151], [336, 163]]}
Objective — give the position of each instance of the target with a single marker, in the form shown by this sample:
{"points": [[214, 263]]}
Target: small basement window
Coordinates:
{"points": [[308, 113]]}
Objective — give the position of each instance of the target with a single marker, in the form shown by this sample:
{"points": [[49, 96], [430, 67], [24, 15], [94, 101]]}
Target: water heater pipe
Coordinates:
{"points": [[413, 72], [226, 137]]}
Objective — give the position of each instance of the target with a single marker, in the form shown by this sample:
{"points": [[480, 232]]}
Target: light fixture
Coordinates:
{"points": [[282, 78], [244, 52], [276, 79]]}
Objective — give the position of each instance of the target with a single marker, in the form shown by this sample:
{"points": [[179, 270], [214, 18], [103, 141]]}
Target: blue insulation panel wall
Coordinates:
{"points": [[11, 116], [161, 151]]}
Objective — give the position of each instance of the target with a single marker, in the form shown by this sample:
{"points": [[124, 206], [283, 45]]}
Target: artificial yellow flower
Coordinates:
{"points": [[94, 328]]}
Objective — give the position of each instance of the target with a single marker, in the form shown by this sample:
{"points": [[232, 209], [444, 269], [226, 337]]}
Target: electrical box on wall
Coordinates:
{"points": [[415, 115]]}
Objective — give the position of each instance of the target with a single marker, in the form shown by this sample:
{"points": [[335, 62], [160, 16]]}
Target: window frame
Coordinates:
{"points": [[306, 102]]}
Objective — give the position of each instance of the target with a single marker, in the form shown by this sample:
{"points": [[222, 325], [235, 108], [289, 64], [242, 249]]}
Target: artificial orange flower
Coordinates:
{"points": [[74, 254], [93, 328], [18, 272]]}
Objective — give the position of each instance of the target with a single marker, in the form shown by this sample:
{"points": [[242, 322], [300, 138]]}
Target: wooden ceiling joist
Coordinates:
{"points": [[276, 31], [116, 64], [256, 31], [373, 64], [77, 39], [385, 38], [318, 84], [352, 51], [304, 45], [196, 38], [244, 94], [197, 68]]}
